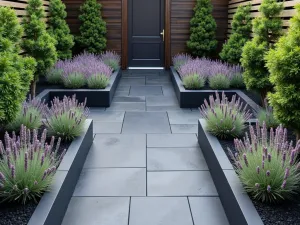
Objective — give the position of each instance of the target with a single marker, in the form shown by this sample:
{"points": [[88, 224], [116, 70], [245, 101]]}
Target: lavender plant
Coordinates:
{"points": [[219, 82], [66, 118], [54, 75], [30, 115], [236, 79], [98, 81], [111, 59], [225, 119], [266, 166], [266, 115], [193, 82], [74, 80], [27, 165], [180, 59]]}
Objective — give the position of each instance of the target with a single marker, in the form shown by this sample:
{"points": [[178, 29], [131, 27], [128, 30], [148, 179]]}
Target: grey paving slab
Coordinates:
{"points": [[160, 211], [129, 99], [127, 106], [145, 90], [107, 127], [175, 159], [121, 93], [97, 211], [162, 108], [184, 128], [117, 150], [157, 80], [105, 116], [171, 140], [146, 122], [123, 88], [181, 117], [111, 182], [161, 101], [180, 183], [208, 210], [132, 81]]}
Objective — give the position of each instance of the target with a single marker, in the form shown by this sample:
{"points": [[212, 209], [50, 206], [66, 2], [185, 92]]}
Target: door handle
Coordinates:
{"points": [[163, 34]]}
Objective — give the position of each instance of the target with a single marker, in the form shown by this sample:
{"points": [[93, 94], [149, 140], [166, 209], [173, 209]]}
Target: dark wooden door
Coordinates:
{"points": [[145, 27]]}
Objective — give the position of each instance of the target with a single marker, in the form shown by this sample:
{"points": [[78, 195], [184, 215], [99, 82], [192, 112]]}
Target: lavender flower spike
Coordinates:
{"points": [[257, 169], [283, 184], [269, 188], [287, 173], [26, 161]]}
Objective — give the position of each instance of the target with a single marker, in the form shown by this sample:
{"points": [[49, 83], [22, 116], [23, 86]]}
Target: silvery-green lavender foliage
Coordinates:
{"points": [[111, 59], [193, 82], [266, 115], [268, 167], [66, 118], [180, 59], [219, 82], [225, 119], [74, 80], [97, 81], [54, 74], [29, 115], [27, 165]]}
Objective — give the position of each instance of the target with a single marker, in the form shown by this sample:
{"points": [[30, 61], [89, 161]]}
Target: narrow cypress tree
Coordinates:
{"points": [[59, 29], [283, 63], [241, 30], [92, 28], [38, 42], [203, 30], [266, 29]]}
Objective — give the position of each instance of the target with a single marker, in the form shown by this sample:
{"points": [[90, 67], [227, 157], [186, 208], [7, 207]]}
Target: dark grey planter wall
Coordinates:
{"points": [[53, 205], [195, 98], [95, 97], [236, 202]]}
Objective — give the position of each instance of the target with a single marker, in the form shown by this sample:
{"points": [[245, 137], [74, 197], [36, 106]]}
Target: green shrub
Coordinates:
{"points": [[203, 26], [66, 118], [267, 167], [74, 80], [219, 82], [98, 81], [93, 28], [241, 30], [27, 170], [284, 65], [59, 29], [193, 82], [37, 42], [16, 71], [54, 76], [225, 119], [266, 29], [237, 81]]}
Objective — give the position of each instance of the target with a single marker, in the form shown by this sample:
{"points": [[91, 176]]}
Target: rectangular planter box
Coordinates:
{"points": [[95, 97], [195, 98], [236, 202], [53, 205]]}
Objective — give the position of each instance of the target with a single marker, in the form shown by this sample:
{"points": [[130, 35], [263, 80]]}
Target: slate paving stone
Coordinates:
{"points": [[160, 211], [127, 106], [97, 211], [123, 88], [117, 150], [208, 209], [111, 182], [161, 101], [129, 99], [145, 90], [121, 93], [107, 127], [162, 108], [175, 159], [146, 122], [106, 116], [171, 140], [168, 91], [132, 81], [178, 117], [184, 128], [180, 183], [157, 80]]}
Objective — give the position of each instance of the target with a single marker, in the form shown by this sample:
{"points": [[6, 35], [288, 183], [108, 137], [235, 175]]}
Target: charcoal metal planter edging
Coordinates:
{"points": [[238, 206], [53, 205], [195, 98], [95, 97]]}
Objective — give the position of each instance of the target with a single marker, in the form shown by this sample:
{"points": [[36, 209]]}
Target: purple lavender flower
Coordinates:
{"points": [[283, 184], [2, 177], [269, 188], [268, 173], [180, 59], [257, 169], [263, 164], [42, 159], [26, 161], [269, 157], [13, 171], [245, 159], [287, 173], [293, 153]]}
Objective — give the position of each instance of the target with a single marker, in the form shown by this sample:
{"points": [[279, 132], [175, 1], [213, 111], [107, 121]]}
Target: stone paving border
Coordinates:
{"points": [[194, 98], [236, 202], [95, 97], [53, 205]]}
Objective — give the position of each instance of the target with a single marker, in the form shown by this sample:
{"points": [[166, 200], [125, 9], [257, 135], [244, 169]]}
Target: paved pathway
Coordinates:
{"points": [[145, 166]]}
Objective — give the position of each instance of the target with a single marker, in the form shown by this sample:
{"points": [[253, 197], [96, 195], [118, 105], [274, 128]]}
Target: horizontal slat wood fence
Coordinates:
{"points": [[286, 14]]}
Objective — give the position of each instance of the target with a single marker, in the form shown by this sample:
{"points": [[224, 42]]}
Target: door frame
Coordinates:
{"points": [[125, 34]]}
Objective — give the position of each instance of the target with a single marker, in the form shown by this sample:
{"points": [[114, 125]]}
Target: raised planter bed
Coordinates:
{"points": [[95, 97], [195, 98], [236, 202], [53, 205]]}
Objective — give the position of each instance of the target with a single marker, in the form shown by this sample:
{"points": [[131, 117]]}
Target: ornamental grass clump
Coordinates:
{"points": [[111, 59], [66, 118], [219, 81], [97, 81], [30, 115], [266, 115], [268, 167], [180, 59], [225, 119], [27, 165]]}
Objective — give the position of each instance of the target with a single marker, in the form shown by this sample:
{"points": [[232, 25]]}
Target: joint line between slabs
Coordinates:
{"points": [[129, 210], [190, 210], [123, 122]]}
